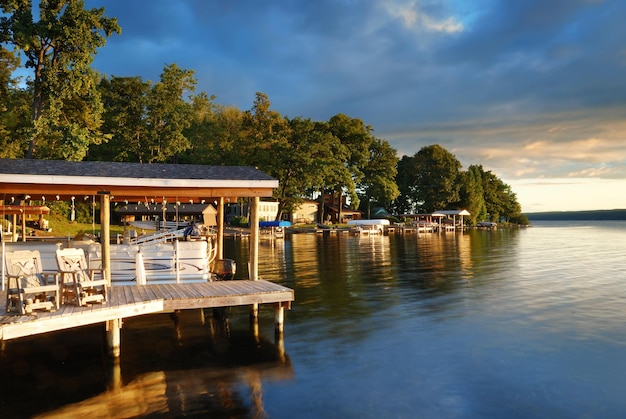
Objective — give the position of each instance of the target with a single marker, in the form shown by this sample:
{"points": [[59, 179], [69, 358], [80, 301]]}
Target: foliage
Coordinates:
{"points": [[125, 101], [406, 202], [432, 180], [379, 185], [168, 114], [355, 139], [436, 178], [472, 194], [60, 47], [239, 221]]}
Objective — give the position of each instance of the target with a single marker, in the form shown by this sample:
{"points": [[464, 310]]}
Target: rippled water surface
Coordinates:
{"points": [[507, 323]]}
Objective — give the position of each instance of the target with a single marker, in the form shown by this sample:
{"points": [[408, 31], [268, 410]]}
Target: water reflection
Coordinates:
{"points": [[172, 365], [507, 323]]}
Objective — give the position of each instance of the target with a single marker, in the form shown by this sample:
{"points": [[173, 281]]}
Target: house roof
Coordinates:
{"points": [[131, 181], [452, 212]]}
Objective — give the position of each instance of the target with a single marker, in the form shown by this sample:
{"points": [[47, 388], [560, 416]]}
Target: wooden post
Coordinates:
{"points": [[105, 233], [220, 229], [23, 227], [279, 318], [254, 238], [253, 266], [113, 328]]}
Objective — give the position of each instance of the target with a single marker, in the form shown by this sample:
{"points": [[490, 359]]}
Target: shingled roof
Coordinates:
{"points": [[132, 180]]}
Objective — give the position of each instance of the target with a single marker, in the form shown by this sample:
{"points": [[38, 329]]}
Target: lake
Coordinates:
{"points": [[512, 323]]}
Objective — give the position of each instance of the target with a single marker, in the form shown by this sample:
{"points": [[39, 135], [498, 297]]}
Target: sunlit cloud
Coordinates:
{"points": [[414, 18]]}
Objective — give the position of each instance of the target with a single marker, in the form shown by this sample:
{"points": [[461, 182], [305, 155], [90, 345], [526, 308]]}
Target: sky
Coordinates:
{"points": [[533, 90]]}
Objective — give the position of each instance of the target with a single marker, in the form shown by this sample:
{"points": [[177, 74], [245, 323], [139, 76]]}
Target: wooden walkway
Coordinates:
{"points": [[131, 301]]}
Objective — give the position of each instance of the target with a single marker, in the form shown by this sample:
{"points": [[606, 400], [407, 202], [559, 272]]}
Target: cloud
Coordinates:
{"points": [[414, 18], [525, 88]]}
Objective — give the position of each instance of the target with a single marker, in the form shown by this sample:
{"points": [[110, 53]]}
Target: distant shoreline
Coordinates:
{"points": [[595, 215]]}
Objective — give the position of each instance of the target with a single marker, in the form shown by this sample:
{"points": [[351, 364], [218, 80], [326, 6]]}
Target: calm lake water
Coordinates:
{"points": [[486, 324]]}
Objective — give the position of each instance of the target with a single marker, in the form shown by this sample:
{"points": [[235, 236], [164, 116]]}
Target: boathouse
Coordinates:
{"points": [[115, 182]]}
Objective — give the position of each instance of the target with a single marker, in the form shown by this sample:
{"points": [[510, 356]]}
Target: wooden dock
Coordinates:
{"points": [[130, 301]]}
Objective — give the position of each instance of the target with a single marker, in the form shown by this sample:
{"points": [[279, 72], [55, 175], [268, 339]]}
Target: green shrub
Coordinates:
{"points": [[239, 221]]}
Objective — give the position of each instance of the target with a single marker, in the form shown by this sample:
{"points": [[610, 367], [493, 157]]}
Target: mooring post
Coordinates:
{"points": [[113, 328], [279, 318]]}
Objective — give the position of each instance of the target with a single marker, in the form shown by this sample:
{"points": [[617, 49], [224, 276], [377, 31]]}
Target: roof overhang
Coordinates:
{"points": [[155, 182]]}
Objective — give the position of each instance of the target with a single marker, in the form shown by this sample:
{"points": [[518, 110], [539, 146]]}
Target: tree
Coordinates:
{"points": [[125, 102], [355, 139], [301, 163], [379, 184], [60, 47], [263, 128], [436, 178], [168, 115], [14, 109], [472, 195], [201, 131], [406, 202]]}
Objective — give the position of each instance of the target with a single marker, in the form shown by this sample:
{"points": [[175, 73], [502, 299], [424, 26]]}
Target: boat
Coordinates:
{"points": [[156, 258], [273, 229], [487, 224], [376, 226]]}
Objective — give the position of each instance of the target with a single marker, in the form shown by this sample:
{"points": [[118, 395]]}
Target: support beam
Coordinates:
{"points": [[254, 238], [23, 227], [220, 229], [113, 328], [279, 318], [105, 233]]}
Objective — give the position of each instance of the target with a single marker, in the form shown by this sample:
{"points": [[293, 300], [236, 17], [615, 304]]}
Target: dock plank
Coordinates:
{"points": [[133, 300]]}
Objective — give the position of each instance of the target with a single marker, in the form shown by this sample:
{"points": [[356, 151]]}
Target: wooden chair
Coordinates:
{"points": [[29, 287], [79, 284]]}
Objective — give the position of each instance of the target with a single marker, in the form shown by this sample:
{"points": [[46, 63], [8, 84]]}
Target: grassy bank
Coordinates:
{"points": [[62, 227]]}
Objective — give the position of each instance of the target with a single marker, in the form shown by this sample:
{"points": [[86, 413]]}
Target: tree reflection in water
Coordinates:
{"points": [[189, 363]]}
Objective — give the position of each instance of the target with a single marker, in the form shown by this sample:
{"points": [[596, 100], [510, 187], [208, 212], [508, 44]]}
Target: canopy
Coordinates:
{"points": [[274, 224]]}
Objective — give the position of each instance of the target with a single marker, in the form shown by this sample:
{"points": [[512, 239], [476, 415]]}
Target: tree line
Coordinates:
{"points": [[66, 110]]}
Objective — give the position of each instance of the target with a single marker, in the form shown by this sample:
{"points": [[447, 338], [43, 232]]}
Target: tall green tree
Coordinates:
{"points": [[14, 109], [60, 46], [379, 184], [125, 102], [168, 115], [201, 131], [406, 202], [263, 129], [302, 162], [355, 138], [436, 178], [472, 195]]}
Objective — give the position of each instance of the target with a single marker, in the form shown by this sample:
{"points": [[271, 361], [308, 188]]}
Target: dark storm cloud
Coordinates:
{"points": [[497, 82]]}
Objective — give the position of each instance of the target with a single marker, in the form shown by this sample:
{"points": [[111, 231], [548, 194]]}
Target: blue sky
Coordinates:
{"points": [[534, 90]]}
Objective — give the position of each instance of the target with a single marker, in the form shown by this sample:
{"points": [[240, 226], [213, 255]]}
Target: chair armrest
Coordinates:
{"points": [[93, 271], [47, 274]]}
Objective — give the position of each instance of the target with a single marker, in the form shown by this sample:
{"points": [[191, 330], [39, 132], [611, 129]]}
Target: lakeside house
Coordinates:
{"points": [[170, 212], [305, 213]]}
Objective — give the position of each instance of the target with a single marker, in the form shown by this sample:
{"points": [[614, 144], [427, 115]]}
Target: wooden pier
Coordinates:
{"points": [[130, 301]]}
